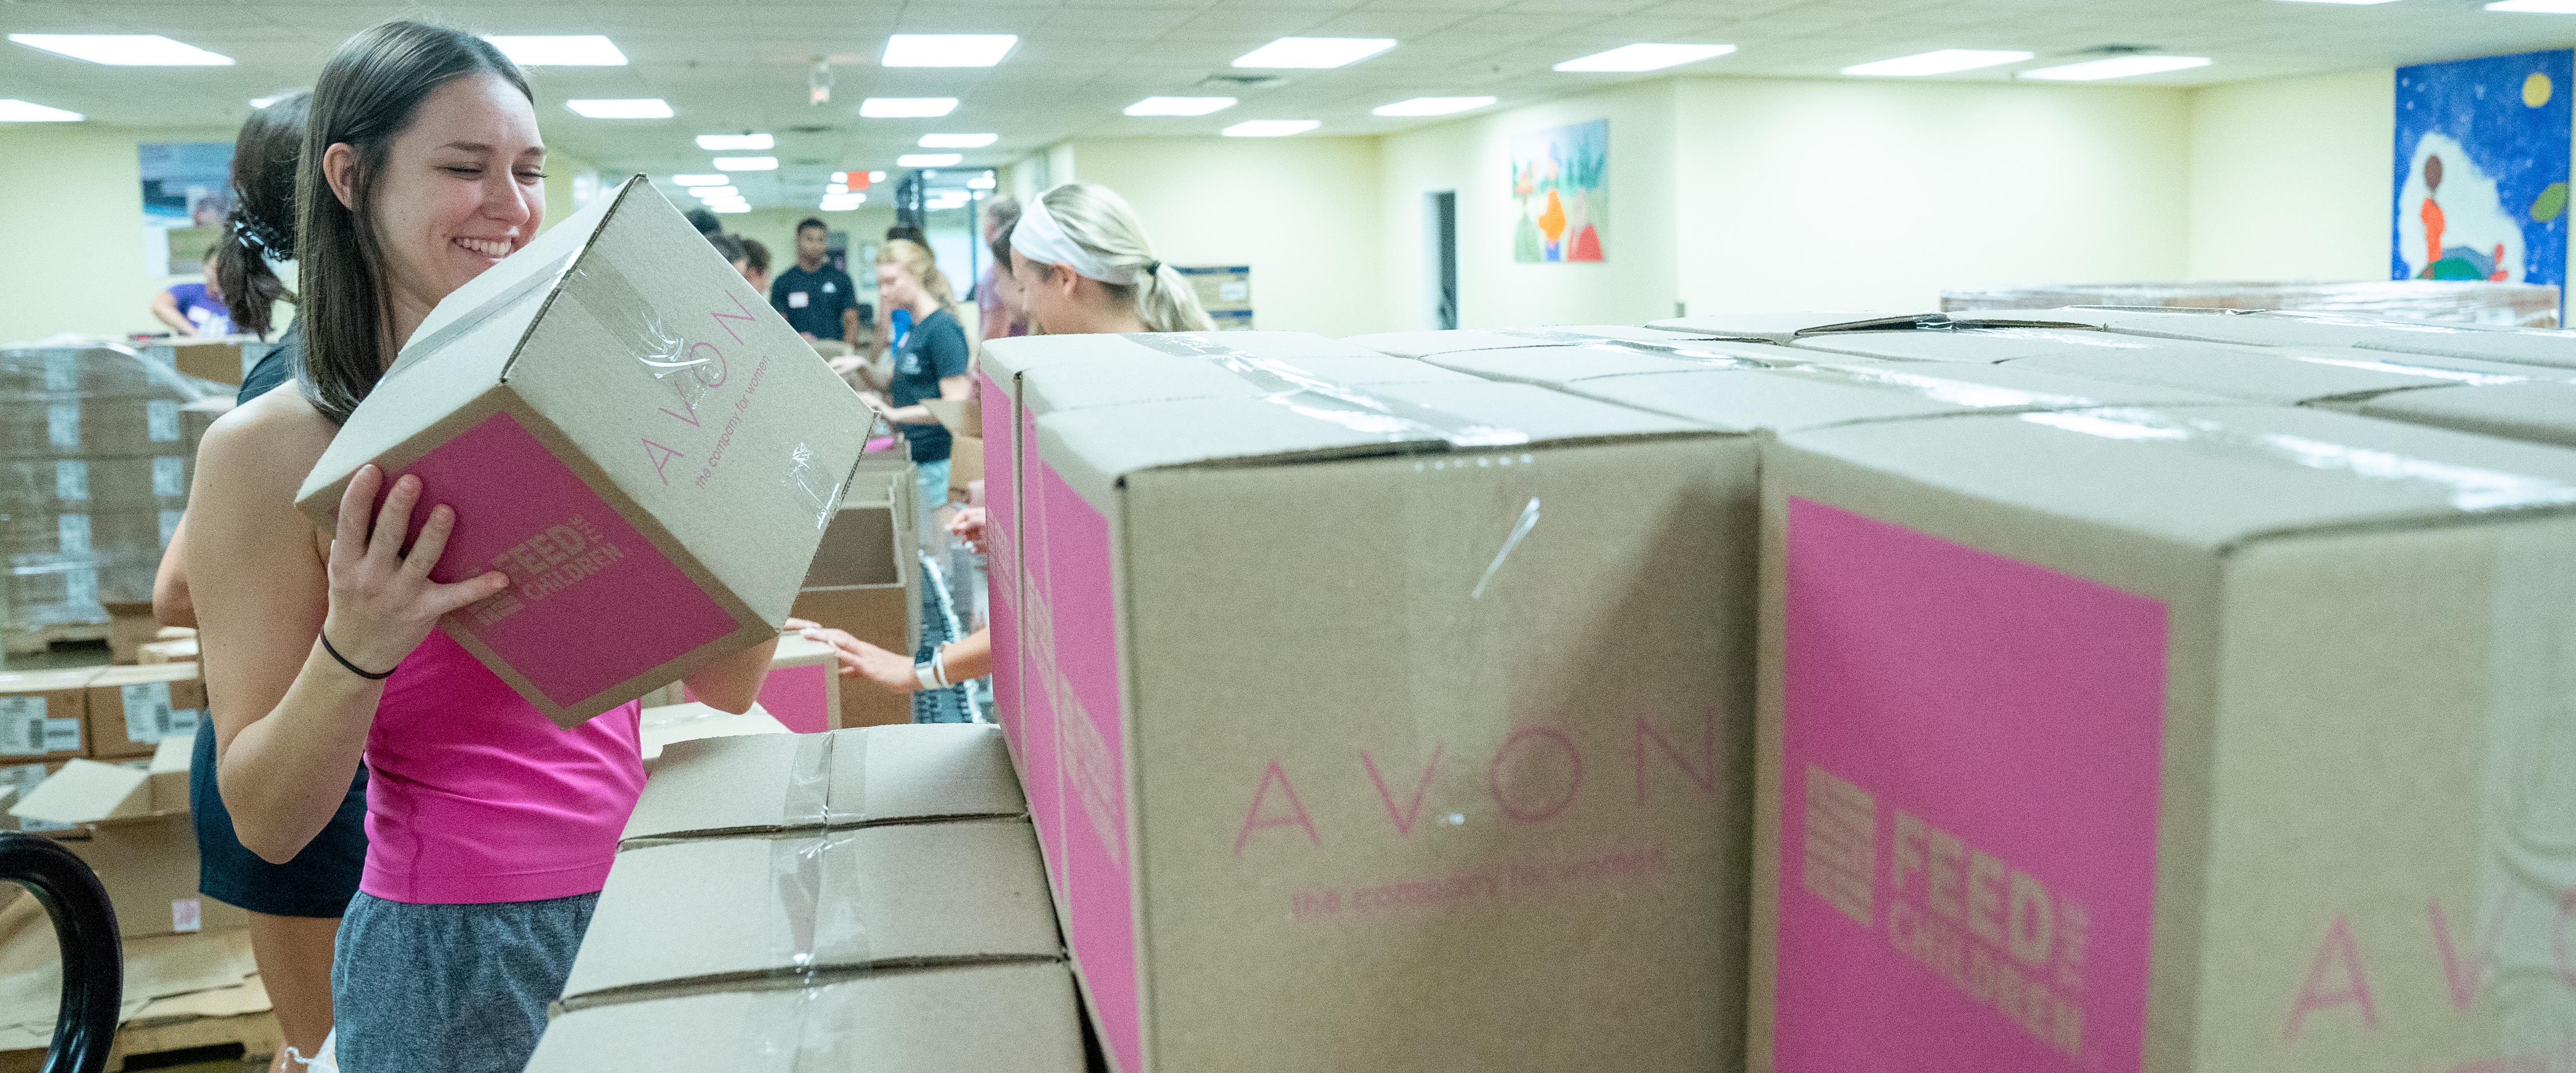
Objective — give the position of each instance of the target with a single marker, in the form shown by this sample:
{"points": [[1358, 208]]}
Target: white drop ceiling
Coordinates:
{"points": [[730, 66]]}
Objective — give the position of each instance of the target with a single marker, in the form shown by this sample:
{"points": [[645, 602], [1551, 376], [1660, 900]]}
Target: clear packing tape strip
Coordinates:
{"points": [[2466, 488], [1284, 384]]}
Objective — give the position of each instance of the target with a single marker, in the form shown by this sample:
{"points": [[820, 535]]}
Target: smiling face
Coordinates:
{"points": [[462, 188]]}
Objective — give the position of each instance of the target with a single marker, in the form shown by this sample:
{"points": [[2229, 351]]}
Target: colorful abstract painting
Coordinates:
{"points": [[1560, 184], [2482, 165]]}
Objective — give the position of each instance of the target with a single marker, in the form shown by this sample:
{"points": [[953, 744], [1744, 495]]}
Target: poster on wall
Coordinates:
{"points": [[187, 188], [2482, 163], [1560, 183]]}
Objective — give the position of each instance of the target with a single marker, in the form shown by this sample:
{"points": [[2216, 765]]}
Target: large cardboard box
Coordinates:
{"points": [[149, 866], [43, 714], [1428, 343], [865, 578], [132, 709], [86, 791], [2164, 740], [782, 783], [1397, 705], [2527, 346], [1014, 1017], [631, 434]]}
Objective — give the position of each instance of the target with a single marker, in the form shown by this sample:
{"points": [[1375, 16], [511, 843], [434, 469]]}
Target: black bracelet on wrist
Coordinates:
{"points": [[353, 668]]}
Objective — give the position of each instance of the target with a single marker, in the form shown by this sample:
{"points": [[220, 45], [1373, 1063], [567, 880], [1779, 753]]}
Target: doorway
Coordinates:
{"points": [[1440, 258]]}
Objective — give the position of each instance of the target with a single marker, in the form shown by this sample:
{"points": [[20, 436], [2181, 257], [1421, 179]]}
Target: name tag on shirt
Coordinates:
{"points": [[796, 299]]}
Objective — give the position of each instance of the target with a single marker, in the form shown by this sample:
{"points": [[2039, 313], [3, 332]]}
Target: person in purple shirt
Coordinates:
{"points": [[195, 308]]}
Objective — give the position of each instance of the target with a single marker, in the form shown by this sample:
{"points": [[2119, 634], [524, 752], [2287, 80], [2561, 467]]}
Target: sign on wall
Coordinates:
{"points": [[2482, 165], [187, 188], [1560, 182]]}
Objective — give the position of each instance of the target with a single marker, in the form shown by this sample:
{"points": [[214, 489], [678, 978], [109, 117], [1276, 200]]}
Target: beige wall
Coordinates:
{"points": [[2290, 179], [73, 215], [1302, 211]]}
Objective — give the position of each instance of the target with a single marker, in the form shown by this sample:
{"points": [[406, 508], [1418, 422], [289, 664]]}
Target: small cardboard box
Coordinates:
{"points": [[662, 727], [169, 773], [42, 714], [218, 360], [87, 791], [764, 785], [133, 709], [2218, 738], [629, 433], [900, 895], [802, 690], [999, 1018], [149, 866], [964, 420], [865, 578], [130, 626]]}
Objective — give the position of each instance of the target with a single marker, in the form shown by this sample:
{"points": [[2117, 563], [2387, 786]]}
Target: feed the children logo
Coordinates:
{"points": [[547, 562]]}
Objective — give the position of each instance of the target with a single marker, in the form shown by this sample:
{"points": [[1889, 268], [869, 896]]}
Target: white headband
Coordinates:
{"points": [[1039, 238]]}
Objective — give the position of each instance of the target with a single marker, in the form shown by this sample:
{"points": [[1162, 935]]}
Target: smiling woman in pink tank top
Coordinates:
{"points": [[490, 831]]}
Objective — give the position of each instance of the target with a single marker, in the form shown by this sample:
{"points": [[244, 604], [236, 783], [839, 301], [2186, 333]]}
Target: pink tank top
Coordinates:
{"points": [[474, 796]]}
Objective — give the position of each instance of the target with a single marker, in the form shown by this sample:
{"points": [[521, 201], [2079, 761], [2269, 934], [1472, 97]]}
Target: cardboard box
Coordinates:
{"points": [[19, 780], [132, 709], [130, 626], [96, 485], [1498, 833], [42, 714], [767, 785], [730, 909], [218, 360], [2222, 738], [802, 689], [87, 791], [1427, 344], [964, 420], [630, 433], [866, 579], [149, 866], [169, 773], [174, 650], [2525, 346], [1001, 1018], [691, 721]]}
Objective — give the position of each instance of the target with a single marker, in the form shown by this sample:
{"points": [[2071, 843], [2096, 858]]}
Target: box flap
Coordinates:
{"points": [[846, 778], [2533, 412], [1455, 341], [1982, 346], [2270, 469], [901, 894], [1558, 365], [1155, 376], [1782, 327], [2285, 375], [2526, 346], [691, 721], [1000, 1018], [963, 417], [86, 791], [1824, 392]]}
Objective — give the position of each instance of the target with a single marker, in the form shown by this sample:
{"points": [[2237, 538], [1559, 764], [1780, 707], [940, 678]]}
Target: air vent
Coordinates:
{"points": [[2118, 50], [813, 128], [1235, 81]]}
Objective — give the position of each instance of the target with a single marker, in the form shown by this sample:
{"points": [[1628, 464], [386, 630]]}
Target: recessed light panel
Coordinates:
{"points": [[1180, 105], [624, 108], [2116, 67], [1423, 106], [17, 111], [980, 182], [124, 50], [2535, 7], [701, 179], [736, 143], [571, 50], [1271, 128], [1314, 53], [947, 50], [1644, 57], [958, 141], [1944, 62], [927, 160], [746, 163], [907, 107]]}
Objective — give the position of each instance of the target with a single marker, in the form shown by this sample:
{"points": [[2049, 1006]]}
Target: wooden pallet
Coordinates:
{"points": [[29, 640], [257, 1033]]}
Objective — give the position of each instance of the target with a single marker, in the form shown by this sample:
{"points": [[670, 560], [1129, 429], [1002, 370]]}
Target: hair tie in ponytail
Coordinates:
{"points": [[1153, 268]]}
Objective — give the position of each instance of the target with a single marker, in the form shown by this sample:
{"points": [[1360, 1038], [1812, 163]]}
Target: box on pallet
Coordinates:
{"points": [[133, 709], [1385, 701], [629, 433], [43, 714], [2138, 739]]}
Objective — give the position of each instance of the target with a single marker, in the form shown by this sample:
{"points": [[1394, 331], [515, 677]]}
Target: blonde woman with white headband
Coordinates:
{"points": [[1083, 267]]}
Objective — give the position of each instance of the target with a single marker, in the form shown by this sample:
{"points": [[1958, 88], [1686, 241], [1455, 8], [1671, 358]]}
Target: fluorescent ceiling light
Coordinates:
{"points": [[2352, 2], [927, 160], [746, 163], [1180, 105], [907, 107], [876, 176], [564, 50], [703, 179], [17, 111], [830, 205], [730, 210], [1271, 128], [980, 182], [736, 143], [1421, 106], [2535, 7], [1644, 57], [958, 141], [2117, 67], [629, 108], [1314, 53], [124, 50], [947, 50], [837, 188], [1943, 62], [715, 193]]}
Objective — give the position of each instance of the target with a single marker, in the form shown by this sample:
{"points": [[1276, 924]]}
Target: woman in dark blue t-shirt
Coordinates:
{"points": [[930, 363]]}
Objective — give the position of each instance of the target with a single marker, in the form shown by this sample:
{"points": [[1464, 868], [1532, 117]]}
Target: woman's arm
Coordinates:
{"points": [[732, 683], [166, 310], [170, 605], [291, 722], [969, 657]]}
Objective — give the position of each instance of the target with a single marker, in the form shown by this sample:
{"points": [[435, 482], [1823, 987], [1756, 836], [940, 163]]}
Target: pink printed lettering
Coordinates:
{"points": [[721, 317], [1253, 820], [2464, 979], [661, 456], [2338, 948], [1413, 810], [722, 367], [1495, 772], [1704, 776]]}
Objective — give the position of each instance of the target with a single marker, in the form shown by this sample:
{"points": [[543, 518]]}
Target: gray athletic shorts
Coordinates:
{"points": [[450, 988]]}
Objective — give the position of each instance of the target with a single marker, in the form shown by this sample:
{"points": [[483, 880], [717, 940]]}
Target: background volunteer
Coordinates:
{"points": [[819, 302]]}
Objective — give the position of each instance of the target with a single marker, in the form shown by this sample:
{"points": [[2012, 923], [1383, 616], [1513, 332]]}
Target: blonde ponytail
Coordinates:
{"points": [[1095, 218]]}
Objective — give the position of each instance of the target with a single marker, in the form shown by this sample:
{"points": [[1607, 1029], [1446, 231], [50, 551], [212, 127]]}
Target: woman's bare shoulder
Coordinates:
{"points": [[272, 440]]}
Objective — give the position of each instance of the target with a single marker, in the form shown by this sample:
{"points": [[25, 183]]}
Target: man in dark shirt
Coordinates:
{"points": [[819, 302]]}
